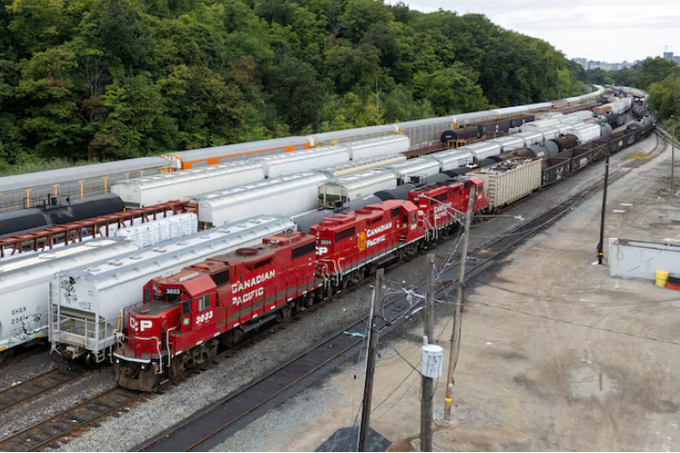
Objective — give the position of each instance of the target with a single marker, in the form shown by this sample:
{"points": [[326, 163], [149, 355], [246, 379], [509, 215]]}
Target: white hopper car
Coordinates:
{"points": [[482, 150], [140, 192], [450, 160], [415, 170], [148, 234], [509, 143], [290, 163], [347, 188], [587, 132], [396, 144], [360, 165], [287, 196], [93, 301], [25, 286], [534, 137]]}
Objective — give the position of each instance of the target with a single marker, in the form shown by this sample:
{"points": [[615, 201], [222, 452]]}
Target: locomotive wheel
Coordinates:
{"points": [[283, 314], [309, 300]]}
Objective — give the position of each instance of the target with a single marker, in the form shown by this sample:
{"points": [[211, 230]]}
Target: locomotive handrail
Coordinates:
{"points": [[167, 343]]}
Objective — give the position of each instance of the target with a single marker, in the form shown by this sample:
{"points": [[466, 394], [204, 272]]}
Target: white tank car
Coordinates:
{"points": [[93, 301], [25, 286], [140, 192], [286, 196]]}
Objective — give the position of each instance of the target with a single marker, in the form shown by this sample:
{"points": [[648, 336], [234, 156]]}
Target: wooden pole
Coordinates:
{"points": [[427, 382], [376, 307], [455, 337]]}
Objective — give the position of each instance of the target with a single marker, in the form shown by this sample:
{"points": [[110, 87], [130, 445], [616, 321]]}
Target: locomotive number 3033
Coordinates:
{"points": [[204, 317]]}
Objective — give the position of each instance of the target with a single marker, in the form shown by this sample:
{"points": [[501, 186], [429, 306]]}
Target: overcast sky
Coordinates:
{"points": [[606, 30]]}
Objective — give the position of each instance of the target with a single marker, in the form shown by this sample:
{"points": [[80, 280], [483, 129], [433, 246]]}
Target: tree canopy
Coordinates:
{"points": [[111, 79]]}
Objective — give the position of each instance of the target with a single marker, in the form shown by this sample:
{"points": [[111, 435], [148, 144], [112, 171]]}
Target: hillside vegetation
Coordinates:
{"points": [[113, 79]]}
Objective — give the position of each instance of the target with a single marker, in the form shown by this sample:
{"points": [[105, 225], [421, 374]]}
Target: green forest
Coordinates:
{"points": [[98, 80], [658, 76]]}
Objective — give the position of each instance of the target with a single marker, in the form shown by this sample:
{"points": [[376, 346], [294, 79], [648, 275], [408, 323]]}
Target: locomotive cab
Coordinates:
{"points": [[174, 311]]}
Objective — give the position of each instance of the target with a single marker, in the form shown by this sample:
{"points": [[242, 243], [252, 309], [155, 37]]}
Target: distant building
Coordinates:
{"points": [[676, 59], [668, 55], [605, 66], [582, 61]]}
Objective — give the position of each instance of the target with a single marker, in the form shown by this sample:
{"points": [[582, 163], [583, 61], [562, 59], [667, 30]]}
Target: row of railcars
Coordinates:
{"points": [[23, 191]]}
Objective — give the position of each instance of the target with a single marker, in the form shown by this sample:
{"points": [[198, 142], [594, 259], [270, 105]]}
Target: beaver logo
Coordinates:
{"points": [[361, 242]]}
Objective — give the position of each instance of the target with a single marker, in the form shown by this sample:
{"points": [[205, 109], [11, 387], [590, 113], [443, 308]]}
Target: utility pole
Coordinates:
{"points": [[429, 303], [600, 246], [673, 155], [376, 307], [428, 382], [455, 337]]}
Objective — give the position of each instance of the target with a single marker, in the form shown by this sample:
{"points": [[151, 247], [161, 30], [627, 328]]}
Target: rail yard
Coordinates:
{"points": [[234, 242]]}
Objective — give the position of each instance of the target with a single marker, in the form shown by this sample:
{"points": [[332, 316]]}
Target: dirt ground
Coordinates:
{"points": [[555, 354]]}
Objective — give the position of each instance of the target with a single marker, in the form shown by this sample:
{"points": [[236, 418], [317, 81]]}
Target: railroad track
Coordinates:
{"points": [[43, 434], [37, 386], [211, 425]]}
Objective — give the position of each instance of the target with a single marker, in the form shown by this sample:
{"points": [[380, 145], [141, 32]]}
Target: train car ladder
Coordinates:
{"points": [[53, 312]]}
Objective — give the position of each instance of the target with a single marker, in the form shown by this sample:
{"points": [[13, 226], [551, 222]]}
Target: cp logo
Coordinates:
{"points": [[361, 242]]}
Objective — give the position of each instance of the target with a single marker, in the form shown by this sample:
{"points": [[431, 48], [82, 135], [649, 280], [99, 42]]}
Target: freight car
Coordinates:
{"points": [[286, 196], [58, 211], [25, 287]]}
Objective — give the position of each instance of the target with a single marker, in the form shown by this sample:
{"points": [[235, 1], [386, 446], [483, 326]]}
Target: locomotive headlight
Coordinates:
{"points": [[144, 367]]}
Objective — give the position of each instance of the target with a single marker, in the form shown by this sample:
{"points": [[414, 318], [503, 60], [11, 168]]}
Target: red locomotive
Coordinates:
{"points": [[442, 206], [185, 317]]}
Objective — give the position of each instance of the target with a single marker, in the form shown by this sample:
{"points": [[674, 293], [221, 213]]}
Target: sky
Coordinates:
{"points": [[604, 30]]}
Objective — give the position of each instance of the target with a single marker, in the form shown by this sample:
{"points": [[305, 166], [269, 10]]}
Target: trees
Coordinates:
{"points": [[111, 79], [450, 90]]}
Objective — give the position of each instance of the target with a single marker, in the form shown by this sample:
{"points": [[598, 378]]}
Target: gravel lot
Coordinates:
{"points": [[281, 428]]}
